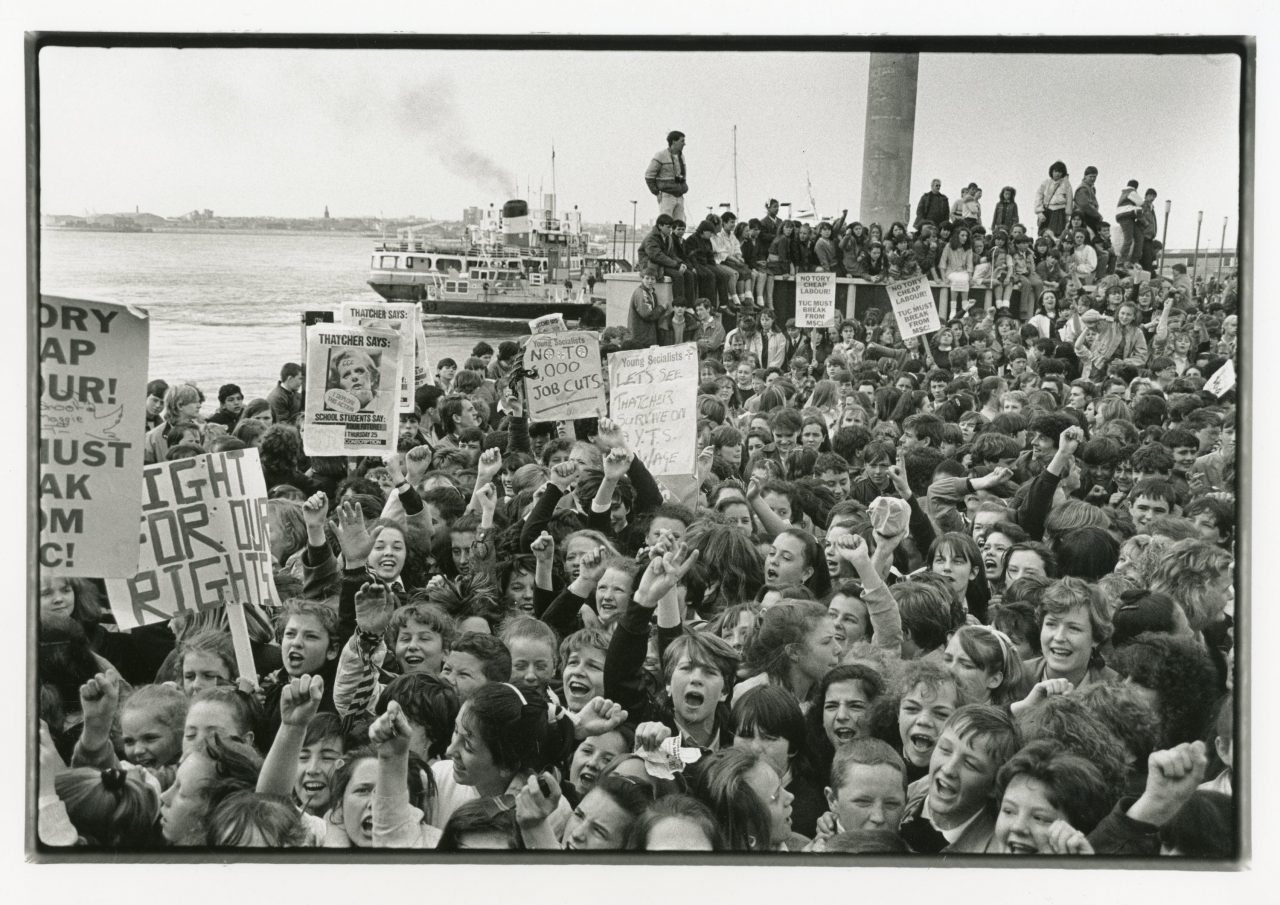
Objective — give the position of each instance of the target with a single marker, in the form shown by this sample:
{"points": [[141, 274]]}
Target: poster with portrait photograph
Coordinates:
{"points": [[402, 318], [353, 391]]}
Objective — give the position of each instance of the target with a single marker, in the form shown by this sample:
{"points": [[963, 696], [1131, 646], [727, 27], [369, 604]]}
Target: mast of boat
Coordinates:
{"points": [[736, 206], [553, 180]]}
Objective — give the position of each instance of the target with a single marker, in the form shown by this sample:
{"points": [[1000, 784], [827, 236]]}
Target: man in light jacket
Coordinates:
{"points": [[667, 177]]}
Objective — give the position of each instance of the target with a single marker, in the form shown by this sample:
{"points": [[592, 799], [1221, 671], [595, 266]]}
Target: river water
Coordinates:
{"points": [[225, 307]]}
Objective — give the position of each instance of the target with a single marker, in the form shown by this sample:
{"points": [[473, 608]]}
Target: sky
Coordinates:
{"points": [[97, 163], [397, 133]]}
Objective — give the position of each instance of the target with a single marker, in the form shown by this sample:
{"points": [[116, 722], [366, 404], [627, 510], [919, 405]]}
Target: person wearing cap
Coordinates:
{"points": [[748, 333], [1127, 210], [1086, 200], [667, 177], [155, 402], [230, 406]]}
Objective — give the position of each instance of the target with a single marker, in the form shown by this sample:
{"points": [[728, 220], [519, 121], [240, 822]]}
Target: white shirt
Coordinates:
{"points": [[953, 834]]}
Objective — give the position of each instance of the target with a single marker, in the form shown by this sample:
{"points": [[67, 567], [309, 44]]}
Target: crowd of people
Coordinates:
{"points": [[965, 593]]}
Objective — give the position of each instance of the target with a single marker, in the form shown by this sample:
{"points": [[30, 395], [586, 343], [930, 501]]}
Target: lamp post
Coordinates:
{"points": [[633, 229], [1195, 257], [1164, 238], [1222, 248]]}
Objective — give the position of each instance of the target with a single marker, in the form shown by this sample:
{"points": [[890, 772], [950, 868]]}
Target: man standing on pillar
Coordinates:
{"points": [[667, 177], [933, 206]]}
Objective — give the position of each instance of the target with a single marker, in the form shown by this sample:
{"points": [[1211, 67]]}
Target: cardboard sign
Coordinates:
{"points": [[309, 318], [93, 387], [421, 360], [1222, 380], [203, 541], [913, 307], [353, 391], [569, 384], [653, 398], [815, 300], [402, 318], [548, 323]]}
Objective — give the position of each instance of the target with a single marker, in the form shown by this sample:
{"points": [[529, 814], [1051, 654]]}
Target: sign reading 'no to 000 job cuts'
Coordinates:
{"points": [[913, 307], [653, 397], [568, 384], [93, 368]]}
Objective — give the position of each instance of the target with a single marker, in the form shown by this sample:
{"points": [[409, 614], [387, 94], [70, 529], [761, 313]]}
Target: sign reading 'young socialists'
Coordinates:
{"points": [[203, 540], [913, 307], [653, 397], [93, 362], [815, 300], [569, 384]]}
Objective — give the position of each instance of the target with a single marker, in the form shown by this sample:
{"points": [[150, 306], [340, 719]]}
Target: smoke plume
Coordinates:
{"points": [[430, 112]]}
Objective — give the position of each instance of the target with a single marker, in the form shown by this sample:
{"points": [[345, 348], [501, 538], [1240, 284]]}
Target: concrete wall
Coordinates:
{"points": [[890, 137], [618, 288]]}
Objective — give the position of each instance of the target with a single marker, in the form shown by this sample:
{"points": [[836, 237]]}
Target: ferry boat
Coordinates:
{"points": [[513, 265]]}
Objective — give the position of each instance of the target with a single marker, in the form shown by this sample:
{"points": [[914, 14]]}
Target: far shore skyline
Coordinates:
{"points": [[389, 133]]}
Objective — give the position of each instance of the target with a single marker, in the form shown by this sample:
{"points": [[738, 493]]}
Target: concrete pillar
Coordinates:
{"points": [[890, 136]]}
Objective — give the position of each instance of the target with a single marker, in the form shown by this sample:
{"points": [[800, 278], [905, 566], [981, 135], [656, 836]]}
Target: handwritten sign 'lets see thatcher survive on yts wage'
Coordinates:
{"points": [[93, 360], [569, 384], [815, 300], [203, 540], [653, 397], [914, 308]]}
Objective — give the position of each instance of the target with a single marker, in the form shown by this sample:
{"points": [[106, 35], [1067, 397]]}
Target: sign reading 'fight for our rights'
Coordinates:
{"points": [[203, 540], [93, 372]]}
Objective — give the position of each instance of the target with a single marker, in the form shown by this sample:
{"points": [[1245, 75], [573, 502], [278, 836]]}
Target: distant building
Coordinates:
{"points": [[326, 212], [1207, 264], [472, 216]]}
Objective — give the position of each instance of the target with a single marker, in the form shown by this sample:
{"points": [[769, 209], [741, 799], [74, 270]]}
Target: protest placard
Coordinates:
{"points": [[353, 376], [402, 318], [313, 317], [93, 374], [548, 323], [913, 307], [422, 361], [1222, 379], [203, 541], [653, 397], [815, 300], [569, 383]]}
